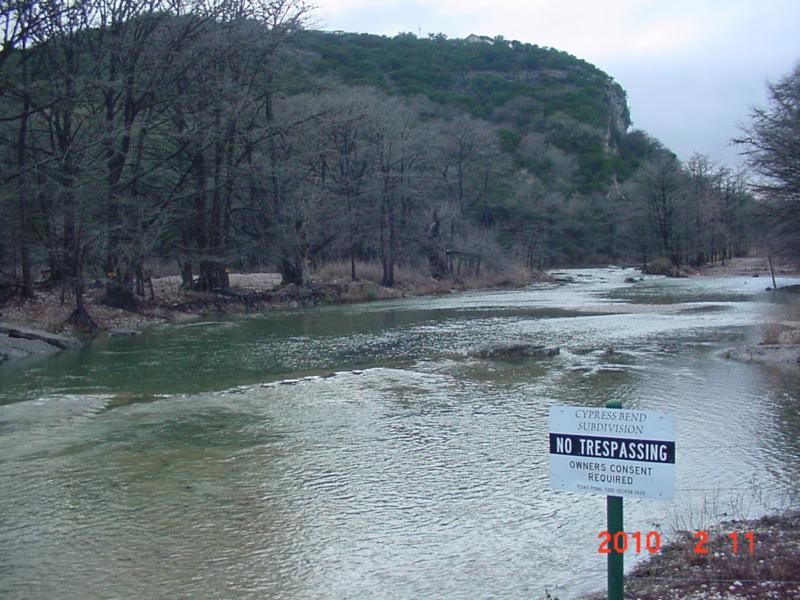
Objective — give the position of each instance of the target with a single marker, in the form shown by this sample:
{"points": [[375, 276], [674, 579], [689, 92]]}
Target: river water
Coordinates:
{"points": [[358, 452]]}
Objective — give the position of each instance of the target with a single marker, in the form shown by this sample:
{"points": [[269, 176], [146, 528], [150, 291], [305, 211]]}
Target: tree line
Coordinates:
{"points": [[691, 214], [136, 132], [133, 129]]}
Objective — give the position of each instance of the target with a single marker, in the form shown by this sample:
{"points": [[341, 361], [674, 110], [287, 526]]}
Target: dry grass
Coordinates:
{"points": [[339, 271], [751, 266], [47, 312], [412, 281], [771, 333], [418, 278], [249, 282], [783, 334], [789, 337], [659, 266]]}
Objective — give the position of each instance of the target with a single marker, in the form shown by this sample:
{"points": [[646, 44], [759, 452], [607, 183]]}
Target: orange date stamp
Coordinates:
{"points": [[638, 542]]}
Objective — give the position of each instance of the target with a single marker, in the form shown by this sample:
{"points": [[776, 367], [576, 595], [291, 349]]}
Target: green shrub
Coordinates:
{"points": [[372, 290], [659, 266], [509, 140]]}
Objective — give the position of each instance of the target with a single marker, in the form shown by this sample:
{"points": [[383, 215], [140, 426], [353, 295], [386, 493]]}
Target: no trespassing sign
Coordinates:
{"points": [[612, 452]]}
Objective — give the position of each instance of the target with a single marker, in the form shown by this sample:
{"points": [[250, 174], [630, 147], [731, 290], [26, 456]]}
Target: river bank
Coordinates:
{"points": [[780, 337], [751, 266], [677, 571], [167, 302]]}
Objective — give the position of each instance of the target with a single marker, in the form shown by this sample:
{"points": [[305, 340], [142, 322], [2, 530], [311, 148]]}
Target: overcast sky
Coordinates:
{"points": [[691, 69]]}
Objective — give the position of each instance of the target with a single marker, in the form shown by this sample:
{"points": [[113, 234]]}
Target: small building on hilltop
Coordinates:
{"points": [[478, 39]]}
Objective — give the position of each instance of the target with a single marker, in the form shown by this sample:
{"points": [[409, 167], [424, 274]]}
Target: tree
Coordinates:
{"points": [[395, 143], [661, 189], [772, 149], [19, 22], [345, 161]]}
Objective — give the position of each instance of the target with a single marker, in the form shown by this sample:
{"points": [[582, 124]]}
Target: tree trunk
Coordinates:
{"points": [[80, 317], [352, 239], [120, 294], [24, 250], [439, 266], [187, 277], [389, 249], [22, 191], [295, 271], [213, 276], [140, 278], [382, 242]]}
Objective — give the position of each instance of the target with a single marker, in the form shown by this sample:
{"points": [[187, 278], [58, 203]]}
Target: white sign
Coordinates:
{"points": [[613, 452]]}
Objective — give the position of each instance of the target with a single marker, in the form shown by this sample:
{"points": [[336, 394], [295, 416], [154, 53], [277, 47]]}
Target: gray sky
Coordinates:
{"points": [[691, 69]]}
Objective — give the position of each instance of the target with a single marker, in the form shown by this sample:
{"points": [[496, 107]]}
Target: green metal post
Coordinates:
{"points": [[616, 582]]}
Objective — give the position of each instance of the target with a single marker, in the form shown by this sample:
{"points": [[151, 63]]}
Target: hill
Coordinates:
{"points": [[528, 90]]}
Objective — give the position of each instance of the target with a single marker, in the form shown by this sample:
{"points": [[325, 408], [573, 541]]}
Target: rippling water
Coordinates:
{"points": [[357, 452]]}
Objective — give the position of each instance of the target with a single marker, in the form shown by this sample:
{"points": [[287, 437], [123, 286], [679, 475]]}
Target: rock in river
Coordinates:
{"points": [[513, 349], [59, 341], [123, 332], [17, 342]]}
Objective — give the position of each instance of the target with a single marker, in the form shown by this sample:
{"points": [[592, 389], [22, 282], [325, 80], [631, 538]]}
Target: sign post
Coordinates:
{"points": [[614, 453], [614, 514]]}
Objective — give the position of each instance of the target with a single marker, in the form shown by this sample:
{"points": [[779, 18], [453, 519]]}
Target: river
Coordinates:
{"points": [[358, 452]]}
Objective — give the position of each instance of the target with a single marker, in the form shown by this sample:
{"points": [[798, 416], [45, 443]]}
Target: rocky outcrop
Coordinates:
{"points": [[18, 342], [514, 349], [619, 118]]}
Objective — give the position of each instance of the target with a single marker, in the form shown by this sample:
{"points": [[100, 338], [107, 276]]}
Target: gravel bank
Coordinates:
{"points": [[677, 572]]}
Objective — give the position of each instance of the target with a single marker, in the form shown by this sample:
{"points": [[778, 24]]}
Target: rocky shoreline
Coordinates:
{"points": [[677, 572]]}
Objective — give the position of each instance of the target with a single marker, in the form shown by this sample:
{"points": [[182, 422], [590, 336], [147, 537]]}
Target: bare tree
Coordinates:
{"points": [[346, 162], [397, 157], [771, 145], [19, 23], [660, 187]]}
